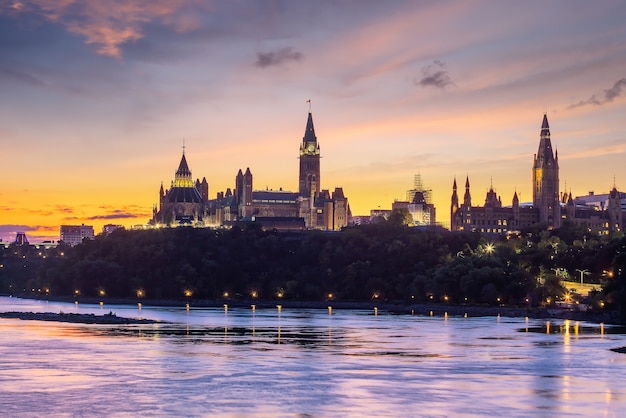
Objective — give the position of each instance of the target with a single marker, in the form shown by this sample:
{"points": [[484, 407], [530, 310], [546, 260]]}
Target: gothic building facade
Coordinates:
{"points": [[548, 208], [311, 207]]}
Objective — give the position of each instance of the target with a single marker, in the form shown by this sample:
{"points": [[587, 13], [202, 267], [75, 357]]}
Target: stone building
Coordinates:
{"points": [[182, 203], [548, 208], [311, 207]]}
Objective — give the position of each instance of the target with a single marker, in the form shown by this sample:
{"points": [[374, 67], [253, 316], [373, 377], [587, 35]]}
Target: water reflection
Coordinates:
{"points": [[261, 362]]}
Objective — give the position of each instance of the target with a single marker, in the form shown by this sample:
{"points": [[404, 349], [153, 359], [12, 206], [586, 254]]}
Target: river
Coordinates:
{"points": [[305, 363]]}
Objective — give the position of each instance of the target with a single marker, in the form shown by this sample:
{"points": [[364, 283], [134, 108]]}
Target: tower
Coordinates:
{"points": [[243, 192], [239, 187], [309, 179], [454, 207], [546, 179], [203, 188], [615, 211], [516, 212]]}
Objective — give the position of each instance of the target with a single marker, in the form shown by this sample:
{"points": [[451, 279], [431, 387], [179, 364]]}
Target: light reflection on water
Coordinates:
{"points": [[240, 362]]}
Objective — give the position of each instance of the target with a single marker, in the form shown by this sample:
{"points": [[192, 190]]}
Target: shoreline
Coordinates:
{"points": [[398, 308]]}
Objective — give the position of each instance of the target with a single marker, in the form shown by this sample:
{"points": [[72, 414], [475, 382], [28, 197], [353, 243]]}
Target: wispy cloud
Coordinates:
{"points": [[277, 58], [607, 97], [118, 215], [612, 148], [435, 75], [14, 228], [20, 77], [126, 212]]}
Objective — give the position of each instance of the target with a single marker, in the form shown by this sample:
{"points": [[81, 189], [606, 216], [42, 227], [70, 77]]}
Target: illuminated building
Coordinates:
{"points": [[546, 180], [549, 208], [311, 207], [182, 203], [418, 205], [74, 234]]}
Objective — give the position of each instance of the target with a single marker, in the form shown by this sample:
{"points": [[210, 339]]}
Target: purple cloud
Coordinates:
{"points": [[608, 96], [278, 57], [435, 75]]}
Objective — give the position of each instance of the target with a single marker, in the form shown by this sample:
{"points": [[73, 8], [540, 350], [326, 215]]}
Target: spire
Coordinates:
{"points": [[467, 198], [309, 132], [545, 156], [455, 197], [183, 168], [183, 174]]}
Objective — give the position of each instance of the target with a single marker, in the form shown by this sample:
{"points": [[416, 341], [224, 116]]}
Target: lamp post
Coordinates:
{"points": [[582, 274]]}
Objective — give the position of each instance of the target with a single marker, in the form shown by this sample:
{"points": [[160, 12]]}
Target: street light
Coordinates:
{"points": [[582, 274]]}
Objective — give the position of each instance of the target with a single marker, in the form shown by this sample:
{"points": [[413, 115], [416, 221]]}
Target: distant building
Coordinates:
{"points": [[376, 214], [418, 205], [20, 238], [108, 228], [601, 215], [74, 234]]}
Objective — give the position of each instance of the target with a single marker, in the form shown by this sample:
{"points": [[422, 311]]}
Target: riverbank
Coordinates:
{"points": [[425, 309]]}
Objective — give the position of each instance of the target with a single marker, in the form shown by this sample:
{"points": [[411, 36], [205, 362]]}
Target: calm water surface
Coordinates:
{"points": [[239, 362]]}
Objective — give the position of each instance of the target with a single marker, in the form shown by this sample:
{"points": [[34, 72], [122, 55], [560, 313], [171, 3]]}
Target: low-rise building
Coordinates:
{"points": [[75, 234]]}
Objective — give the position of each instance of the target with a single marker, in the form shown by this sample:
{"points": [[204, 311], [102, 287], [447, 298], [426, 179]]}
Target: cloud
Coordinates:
{"points": [[15, 228], [34, 233], [129, 212], [278, 57], [20, 77], [608, 96], [112, 24], [63, 209], [435, 75], [120, 215], [609, 149]]}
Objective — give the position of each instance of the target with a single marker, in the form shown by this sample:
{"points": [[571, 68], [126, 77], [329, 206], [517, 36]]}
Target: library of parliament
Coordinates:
{"points": [[311, 207]]}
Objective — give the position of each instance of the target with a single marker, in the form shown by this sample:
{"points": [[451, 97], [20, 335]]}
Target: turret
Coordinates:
{"points": [[454, 206], [615, 210], [570, 207], [467, 199], [239, 186]]}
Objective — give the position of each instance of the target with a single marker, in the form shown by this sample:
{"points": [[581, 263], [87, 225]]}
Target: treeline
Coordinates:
{"points": [[385, 261]]}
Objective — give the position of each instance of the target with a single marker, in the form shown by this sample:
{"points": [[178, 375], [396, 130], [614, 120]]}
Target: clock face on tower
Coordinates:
{"points": [[311, 148]]}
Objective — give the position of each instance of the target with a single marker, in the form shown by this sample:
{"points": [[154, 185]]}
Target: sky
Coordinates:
{"points": [[97, 98]]}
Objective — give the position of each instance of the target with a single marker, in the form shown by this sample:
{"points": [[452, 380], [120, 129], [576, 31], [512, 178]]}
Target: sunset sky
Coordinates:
{"points": [[96, 98]]}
